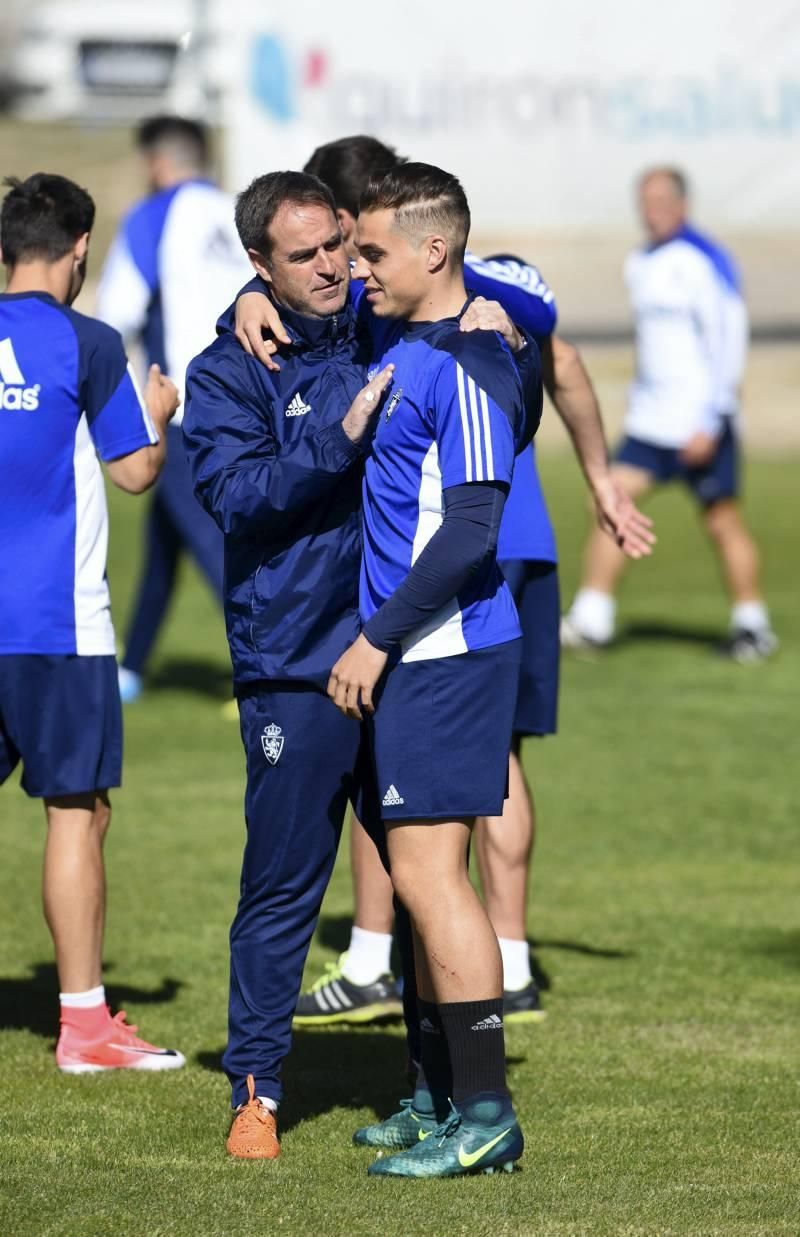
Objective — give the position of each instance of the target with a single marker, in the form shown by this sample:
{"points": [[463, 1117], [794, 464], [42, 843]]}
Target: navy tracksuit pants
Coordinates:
{"points": [[305, 760], [176, 524]]}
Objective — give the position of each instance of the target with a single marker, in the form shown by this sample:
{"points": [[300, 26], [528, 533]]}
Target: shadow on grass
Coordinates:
{"points": [[31, 1004], [192, 674], [661, 633], [339, 1067], [591, 951], [780, 945]]}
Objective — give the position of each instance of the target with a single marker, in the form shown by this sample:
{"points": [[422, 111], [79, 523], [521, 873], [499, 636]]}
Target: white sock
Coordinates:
{"points": [[83, 1000], [367, 956], [268, 1102], [516, 963], [593, 613], [750, 616]]}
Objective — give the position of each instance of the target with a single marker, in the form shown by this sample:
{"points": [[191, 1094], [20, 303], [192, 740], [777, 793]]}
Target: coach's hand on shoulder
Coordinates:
{"points": [[618, 515], [255, 316], [354, 677], [363, 408], [483, 315], [699, 450], [161, 397]]}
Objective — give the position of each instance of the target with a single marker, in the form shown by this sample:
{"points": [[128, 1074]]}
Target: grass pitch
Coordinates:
{"points": [[660, 1096]]}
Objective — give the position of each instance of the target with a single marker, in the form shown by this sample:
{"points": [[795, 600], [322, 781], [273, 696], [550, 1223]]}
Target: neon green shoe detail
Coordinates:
{"points": [[460, 1145], [335, 999], [403, 1129]]}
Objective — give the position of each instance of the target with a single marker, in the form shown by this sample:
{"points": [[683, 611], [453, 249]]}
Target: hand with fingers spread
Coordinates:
{"points": [[483, 315], [618, 515], [363, 408], [255, 315], [354, 677]]}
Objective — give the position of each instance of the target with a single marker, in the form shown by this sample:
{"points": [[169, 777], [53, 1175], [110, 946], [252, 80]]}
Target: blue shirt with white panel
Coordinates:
{"points": [[451, 417], [66, 396], [526, 531]]}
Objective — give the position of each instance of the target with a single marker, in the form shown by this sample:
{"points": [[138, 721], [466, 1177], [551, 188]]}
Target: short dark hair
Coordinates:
{"points": [[259, 203], [347, 165], [425, 199], [679, 179], [42, 217], [187, 140]]}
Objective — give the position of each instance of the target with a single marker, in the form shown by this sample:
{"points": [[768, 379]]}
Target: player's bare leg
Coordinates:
{"points": [[590, 619], [372, 887], [504, 845], [459, 980], [429, 874], [751, 638], [74, 886], [74, 897]]}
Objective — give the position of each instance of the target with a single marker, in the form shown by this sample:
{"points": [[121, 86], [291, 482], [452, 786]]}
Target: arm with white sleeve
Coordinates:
{"points": [[128, 430], [721, 317]]}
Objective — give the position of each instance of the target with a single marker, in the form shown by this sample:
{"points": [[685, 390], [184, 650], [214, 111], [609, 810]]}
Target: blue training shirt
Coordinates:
{"points": [[526, 531], [450, 418], [66, 395]]}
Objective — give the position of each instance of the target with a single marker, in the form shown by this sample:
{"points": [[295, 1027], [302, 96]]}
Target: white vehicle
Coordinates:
{"points": [[114, 59]]}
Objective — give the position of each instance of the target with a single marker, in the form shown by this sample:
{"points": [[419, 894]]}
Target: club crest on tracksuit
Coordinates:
{"points": [[272, 743]]}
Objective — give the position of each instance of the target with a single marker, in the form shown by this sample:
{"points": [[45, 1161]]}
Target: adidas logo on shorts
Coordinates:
{"points": [[393, 798], [492, 1023]]}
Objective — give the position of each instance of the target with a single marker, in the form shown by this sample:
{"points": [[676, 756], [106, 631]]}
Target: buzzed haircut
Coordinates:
{"points": [[425, 200], [186, 141], [679, 179], [259, 203], [42, 217], [348, 164]]}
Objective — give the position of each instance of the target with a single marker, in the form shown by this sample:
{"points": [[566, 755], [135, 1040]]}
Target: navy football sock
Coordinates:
{"points": [[475, 1038], [434, 1079]]}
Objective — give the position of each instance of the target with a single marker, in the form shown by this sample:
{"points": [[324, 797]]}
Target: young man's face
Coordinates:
{"points": [[395, 271], [308, 267]]}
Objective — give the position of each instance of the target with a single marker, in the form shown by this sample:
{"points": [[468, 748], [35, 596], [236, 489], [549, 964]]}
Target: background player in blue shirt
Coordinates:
{"points": [[440, 626], [174, 261], [67, 396], [359, 986]]}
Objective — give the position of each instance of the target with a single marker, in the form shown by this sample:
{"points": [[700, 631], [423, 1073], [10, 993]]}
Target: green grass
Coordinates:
{"points": [[660, 1096]]}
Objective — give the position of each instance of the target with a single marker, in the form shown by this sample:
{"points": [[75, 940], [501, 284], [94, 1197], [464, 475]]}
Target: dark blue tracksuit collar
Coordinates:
{"points": [[419, 330], [317, 333]]}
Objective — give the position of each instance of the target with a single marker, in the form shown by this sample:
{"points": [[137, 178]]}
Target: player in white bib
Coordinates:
{"points": [[682, 418]]}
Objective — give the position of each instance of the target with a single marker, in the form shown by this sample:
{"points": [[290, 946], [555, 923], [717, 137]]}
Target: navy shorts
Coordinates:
{"points": [[61, 716], [441, 734], [717, 481], [536, 596]]}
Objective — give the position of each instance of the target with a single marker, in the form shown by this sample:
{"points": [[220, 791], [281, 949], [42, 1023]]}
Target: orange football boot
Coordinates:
{"points": [[254, 1132]]}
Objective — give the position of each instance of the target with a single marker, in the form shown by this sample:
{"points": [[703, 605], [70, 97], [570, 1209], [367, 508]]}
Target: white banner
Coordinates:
{"points": [[547, 112]]}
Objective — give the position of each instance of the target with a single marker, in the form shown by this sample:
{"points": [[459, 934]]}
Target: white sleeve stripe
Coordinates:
{"points": [[464, 421], [148, 423], [476, 428], [487, 436]]}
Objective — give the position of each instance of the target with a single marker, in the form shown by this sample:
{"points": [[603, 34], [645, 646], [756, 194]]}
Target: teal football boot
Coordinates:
{"points": [[403, 1129], [482, 1137]]}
